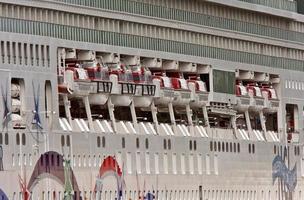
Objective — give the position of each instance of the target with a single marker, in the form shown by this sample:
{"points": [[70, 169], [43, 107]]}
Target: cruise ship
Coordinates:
{"points": [[151, 99]]}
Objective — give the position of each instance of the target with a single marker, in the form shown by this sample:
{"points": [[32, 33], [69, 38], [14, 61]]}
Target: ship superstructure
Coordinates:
{"points": [[129, 99]]}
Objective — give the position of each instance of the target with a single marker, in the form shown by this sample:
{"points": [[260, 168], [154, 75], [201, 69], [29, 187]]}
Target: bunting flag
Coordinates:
{"points": [[37, 119], [280, 170]]}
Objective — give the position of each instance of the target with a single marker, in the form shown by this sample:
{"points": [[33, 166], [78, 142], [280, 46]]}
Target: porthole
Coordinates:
{"points": [[211, 146], [137, 143], [98, 142], [169, 144], [123, 143], [6, 139], [62, 140], [165, 144], [147, 143], [219, 146], [68, 141], [17, 139], [103, 142], [23, 139]]}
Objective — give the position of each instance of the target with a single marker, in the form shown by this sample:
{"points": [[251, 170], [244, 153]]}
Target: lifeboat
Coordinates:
{"points": [[99, 76], [77, 82], [271, 98], [164, 90], [145, 89], [243, 98], [123, 88], [256, 98], [199, 92], [182, 94]]}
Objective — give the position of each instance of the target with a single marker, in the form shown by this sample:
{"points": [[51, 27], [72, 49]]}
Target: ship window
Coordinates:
{"points": [[123, 143], [18, 139], [68, 141], [227, 147], [190, 145], [234, 147], [52, 159], [147, 143], [214, 146], [211, 146], [253, 148], [223, 146], [238, 147], [1, 139], [103, 142], [41, 160], [165, 144], [249, 148], [219, 146], [62, 140], [98, 141], [58, 160], [169, 144], [137, 142], [194, 145], [230, 146], [23, 139], [274, 149]]}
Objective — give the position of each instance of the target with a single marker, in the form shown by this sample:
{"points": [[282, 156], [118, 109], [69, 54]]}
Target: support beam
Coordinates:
{"points": [[171, 113], [111, 113], [248, 123], [67, 106], [154, 116], [133, 114], [233, 123], [88, 112], [189, 118], [205, 114], [263, 123]]}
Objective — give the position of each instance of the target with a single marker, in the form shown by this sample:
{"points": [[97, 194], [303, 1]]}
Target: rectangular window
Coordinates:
{"points": [[183, 167], [207, 164], [165, 163], [147, 158], [215, 164], [199, 164], [191, 165], [174, 171], [129, 163], [138, 164], [156, 160]]}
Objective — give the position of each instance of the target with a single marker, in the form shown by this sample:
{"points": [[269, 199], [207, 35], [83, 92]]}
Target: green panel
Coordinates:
{"points": [[141, 42], [142, 8], [223, 82]]}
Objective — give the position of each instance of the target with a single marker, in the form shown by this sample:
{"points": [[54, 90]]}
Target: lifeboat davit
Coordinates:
{"points": [[271, 98], [257, 100], [164, 91], [243, 98]]}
